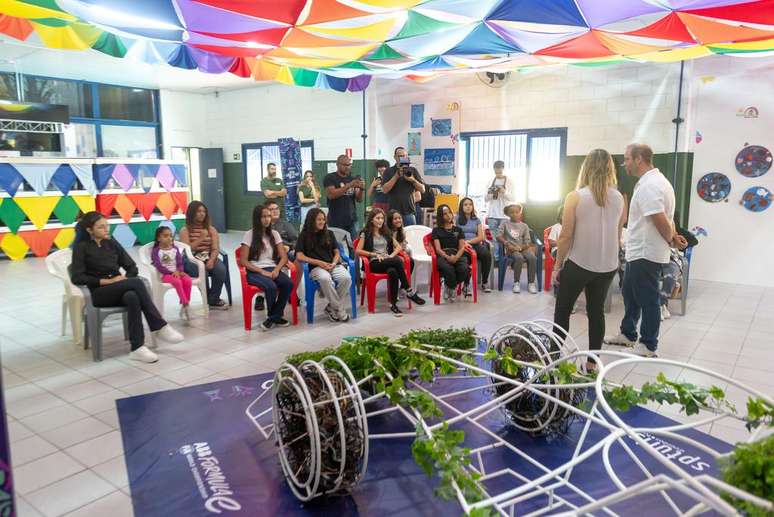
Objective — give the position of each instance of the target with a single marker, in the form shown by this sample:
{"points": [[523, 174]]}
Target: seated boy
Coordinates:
{"points": [[514, 237]]}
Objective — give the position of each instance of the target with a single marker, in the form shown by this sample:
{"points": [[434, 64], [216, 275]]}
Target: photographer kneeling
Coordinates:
{"points": [[403, 186]]}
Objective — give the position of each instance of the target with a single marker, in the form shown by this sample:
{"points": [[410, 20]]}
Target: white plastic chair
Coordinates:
{"points": [[414, 235], [159, 288], [72, 299]]}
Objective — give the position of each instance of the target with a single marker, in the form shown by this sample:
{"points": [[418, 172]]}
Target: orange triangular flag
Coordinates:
{"points": [[145, 203], [124, 207], [40, 242], [323, 11], [167, 204], [707, 31], [181, 198]]}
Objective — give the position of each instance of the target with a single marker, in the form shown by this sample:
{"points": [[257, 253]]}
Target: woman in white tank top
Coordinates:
{"points": [[587, 257]]}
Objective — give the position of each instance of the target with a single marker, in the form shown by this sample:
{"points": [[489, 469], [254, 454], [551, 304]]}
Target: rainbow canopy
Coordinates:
{"points": [[340, 45]]}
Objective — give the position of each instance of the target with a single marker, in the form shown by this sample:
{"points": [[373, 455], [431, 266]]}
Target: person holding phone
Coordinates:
{"points": [[375, 193], [404, 186], [343, 192]]}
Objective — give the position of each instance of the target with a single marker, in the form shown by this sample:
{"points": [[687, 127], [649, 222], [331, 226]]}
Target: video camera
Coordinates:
{"points": [[405, 163]]}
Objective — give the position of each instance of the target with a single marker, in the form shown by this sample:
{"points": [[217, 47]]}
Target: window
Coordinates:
{"points": [[80, 140], [533, 160], [256, 157], [8, 86], [75, 95], [120, 103], [129, 141]]}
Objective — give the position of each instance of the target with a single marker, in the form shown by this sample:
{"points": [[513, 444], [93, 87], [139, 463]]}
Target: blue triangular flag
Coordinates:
{"points": [[64, 179], [102, 174], [10, 179]]}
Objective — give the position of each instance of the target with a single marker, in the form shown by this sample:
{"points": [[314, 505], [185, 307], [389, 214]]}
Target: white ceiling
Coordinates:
{"points": [[93, 66]]}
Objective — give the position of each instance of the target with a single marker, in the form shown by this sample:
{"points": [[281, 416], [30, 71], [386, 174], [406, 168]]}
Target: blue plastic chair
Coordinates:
{"points": [[311, 286], [506, 261]]}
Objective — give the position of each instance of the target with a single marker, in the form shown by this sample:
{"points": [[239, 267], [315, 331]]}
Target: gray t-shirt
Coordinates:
{"points": [[380, 244], [515, 233]]}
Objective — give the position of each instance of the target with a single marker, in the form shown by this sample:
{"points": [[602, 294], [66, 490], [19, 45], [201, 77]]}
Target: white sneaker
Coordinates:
{"points": [[644, 351], [516, 288], [532, 288], [144, 355], [170, 335], [184, 313], [486, 288], [665, 314], [619, 340]]}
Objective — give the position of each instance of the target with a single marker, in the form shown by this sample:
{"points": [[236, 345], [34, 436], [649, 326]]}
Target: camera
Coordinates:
{"points": [[408, 173], [494, 191]]}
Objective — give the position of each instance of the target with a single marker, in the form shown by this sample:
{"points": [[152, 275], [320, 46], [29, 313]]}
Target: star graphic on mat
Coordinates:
{"points": [[241, 391], [213, 395]]}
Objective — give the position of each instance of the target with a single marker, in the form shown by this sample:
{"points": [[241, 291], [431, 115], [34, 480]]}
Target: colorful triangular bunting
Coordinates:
{"points": [[40, 242], [38, 209]]}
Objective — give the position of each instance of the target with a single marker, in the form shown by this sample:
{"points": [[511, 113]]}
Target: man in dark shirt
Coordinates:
{"points": [[273, 188], [399, 183], [343, 192]]}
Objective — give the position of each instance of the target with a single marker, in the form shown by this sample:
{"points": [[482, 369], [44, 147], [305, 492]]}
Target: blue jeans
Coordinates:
{"points": [[494, 225], [217, 278], [409, 219], [277, 291], [642, 298]]}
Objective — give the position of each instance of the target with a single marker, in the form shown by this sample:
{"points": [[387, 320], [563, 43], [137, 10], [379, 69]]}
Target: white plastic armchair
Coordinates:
{"points": [[414, 235], [72, 299], [159, 288]]}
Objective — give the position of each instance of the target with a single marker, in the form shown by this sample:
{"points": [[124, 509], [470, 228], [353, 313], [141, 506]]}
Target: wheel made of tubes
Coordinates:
{"points": [[534, 343], [321, 427]]}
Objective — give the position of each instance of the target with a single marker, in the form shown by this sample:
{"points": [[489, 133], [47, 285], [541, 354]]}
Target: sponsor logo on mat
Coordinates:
{"points": [[210, 478]]}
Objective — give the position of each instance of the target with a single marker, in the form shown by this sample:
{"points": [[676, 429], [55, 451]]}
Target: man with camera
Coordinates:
{"points": [[501, 193], [403, 186], [343, 192]]}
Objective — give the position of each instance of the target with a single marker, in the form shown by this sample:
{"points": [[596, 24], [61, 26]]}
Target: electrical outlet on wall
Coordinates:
{"points": [[237, 157]]}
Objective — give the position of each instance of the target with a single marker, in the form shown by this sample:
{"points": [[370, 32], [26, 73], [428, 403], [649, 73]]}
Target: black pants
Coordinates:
{"points": [[456, 273], [484, 255], [572, 280], [394, 267], [132, 294]]}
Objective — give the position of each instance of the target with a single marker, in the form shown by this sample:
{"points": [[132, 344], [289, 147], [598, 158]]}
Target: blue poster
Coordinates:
{"points": [[414, 144], [290, 156], [441, 126], [417, 115], [439, 162]]}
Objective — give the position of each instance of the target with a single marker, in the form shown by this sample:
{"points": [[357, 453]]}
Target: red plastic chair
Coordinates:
{"points": [[549, 260], [370, 279], [249, 291], [435, 275]]}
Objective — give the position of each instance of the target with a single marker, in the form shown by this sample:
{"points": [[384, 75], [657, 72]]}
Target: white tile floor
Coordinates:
{"points": [[66, 446]]}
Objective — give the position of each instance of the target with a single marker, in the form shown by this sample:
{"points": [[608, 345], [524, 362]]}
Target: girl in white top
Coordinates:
{"points": [[263, 256], [587, 256], [501, 193]]}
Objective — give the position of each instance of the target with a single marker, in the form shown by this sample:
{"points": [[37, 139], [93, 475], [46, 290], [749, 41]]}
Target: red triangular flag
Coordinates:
{"points": [[105, 204], [40, 241], [181, 198], [145, 203]]}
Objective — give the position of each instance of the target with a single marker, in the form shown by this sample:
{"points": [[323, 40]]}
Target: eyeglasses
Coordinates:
{"points": [[275, 209]]}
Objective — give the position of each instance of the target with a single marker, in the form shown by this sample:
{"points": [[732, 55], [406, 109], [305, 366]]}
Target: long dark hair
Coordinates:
{"points": [[461, 217], [369, 226], [259, 231], [314, 182], [161, 229], [87, 221], [309, 235], [399, 234], [439, 215], [190, 214]]}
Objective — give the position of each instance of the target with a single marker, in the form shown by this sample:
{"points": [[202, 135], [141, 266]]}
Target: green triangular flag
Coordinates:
{"points": [[66, 210], [53, 22], [303, 77], [385, 52], [145, 231], [353, 65], [110, 44], [418, 24], [11, 215], [48, 4]]}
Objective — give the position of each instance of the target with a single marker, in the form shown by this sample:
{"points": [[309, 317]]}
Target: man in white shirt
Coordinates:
{"points": [[651, 233]]}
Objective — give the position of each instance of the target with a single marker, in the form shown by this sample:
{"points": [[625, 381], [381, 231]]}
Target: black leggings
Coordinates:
{"points": [[394, 267], [572, 280], [456, 273], [132, 294], [484, 255]]}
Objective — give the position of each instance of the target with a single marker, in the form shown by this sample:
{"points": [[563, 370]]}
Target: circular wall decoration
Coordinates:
{"points": [[753, 161], [756, 199], [714, 187]]}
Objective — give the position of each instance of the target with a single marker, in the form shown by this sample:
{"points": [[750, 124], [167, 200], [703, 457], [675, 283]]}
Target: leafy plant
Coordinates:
{"points": [[750, 467]]}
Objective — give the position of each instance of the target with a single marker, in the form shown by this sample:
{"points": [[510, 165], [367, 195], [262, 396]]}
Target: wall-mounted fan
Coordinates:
{"points": [[494, 79]]}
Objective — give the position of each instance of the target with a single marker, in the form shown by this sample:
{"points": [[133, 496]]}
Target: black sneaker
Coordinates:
{"points": [[417, 299], [331, 315], [267, 325], [396, 311], [259, 304], [282, 322], [220, 305]]}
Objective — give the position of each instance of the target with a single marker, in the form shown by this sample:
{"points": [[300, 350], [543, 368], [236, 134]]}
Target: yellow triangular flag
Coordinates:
{"points": [[14, 246], [64, 238], [85, 203], [38, 209]]}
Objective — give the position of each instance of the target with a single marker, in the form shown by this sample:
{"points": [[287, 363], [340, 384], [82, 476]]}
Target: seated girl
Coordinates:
{"points": [[451, 259], [263, 256], [168, 261], [513, 235], [379, 245], [97, 264], [317, 247], [473, 229], [556, 230]]}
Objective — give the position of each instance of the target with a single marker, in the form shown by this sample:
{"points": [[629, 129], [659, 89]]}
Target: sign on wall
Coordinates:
{"points": [[439, 162]]}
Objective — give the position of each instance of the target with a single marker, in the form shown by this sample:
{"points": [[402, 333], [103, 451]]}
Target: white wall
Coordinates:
{"points": [[183, 120], [739, 247], [264, 113]]}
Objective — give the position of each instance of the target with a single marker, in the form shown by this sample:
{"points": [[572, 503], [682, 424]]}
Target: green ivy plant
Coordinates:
{"points": [[751, 468]]}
